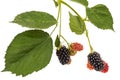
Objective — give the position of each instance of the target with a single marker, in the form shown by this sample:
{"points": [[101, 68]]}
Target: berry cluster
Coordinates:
{"points": [[63, 55], [95, 62]]}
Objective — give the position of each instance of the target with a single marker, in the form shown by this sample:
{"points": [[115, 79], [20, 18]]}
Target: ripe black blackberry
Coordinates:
{"points": [[96, 61], [63, 55]]}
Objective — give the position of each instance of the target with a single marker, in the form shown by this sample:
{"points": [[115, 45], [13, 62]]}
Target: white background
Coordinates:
{"points": [[107, 43]]}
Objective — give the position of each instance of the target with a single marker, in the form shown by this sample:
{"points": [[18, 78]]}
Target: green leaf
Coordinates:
{"points": [[77, 25], [83, 2], [57, 41], [100, 16], [35, 19], [55, 2], [28, 52]]}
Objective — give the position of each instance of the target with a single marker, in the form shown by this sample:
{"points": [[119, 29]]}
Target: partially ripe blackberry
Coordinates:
{"points": [[106, 67], [63, 55], [96, 61], [89, 66]]}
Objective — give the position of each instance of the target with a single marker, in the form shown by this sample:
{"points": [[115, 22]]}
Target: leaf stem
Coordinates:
{"points": [[91, 48], [65, 40], [71, 9], [59, 10], [60, 20], [85, 19]]}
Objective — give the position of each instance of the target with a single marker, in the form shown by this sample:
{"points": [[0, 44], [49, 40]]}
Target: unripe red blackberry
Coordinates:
{"points": [[74, 47], [96, 61], [63, 55]]}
